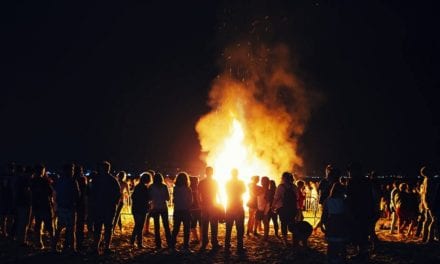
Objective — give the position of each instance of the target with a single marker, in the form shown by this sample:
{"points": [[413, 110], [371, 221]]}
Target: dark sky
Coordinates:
{"points": [[128, 81]]}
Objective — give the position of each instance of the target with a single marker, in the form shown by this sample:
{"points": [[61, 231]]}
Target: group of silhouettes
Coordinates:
{"points": [[351, 207]]}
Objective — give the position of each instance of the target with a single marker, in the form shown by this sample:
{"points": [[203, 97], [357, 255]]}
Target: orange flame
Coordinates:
{"points": [[259, 110]]}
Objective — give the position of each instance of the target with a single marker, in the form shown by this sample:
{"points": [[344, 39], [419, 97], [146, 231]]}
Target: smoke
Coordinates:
{"points": [[258, 89]]}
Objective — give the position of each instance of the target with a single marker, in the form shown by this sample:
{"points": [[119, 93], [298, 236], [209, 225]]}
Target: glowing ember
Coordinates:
{"points": [[259, 111]]}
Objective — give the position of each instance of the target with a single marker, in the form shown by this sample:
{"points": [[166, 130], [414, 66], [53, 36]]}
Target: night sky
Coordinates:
{"points": [[127, 82]]}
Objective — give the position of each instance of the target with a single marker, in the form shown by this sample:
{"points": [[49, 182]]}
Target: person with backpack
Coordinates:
{"points": [[285, 204]]}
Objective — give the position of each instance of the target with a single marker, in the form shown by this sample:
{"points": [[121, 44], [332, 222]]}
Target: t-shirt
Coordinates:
{"points": [[159, 196]]}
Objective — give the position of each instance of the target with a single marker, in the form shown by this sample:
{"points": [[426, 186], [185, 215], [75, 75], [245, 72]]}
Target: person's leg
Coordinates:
{"points": [[141, 223], [79, 228], [135, 231], [229, 223], [177, 219], [186, 229], [116, 220], [97, 229], [274, 217], [204, 226], [37, 231], [427, 226], [239, 225], [108, 229], [166, 226], [156, 222], [420, 221], [214, 231], [266, 219], [393, 221]]}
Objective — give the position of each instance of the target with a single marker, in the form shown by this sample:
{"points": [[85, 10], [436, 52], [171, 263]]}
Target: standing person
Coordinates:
{"points": [[182, 199], [430, 199], [360, 203], [148, 220], [393, 201], [263, 206], [235, 189], [81, 206], [139, 208], [159, 197], [195, 209], [90, 205], [42, 204], [23, 204], [285, 203], [208, 194], [335, 220], [324, 189], [105, 195], [301, 185], [121, 177], [66, 196], [252, 205], [272, 215]]}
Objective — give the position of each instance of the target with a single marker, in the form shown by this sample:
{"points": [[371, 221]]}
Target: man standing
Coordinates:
{"points": [[208, 192], [105, 194], [235, 189], [42, 204], [66, 197], [430, 201], [81, 205]]}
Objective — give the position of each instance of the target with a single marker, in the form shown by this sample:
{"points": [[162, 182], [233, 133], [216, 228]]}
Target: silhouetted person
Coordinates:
{"points": [[335, 220], [81, 205], [148, 220], [393, 200], [235, 188], [90, 205], [42, 204], [23, 203], [263, 205], [140, 208], [208, 194], [105, 195], [182, 198], [285, 203], [252, 204], [324, 187], [360, 202], [301, 186], [7, 185], [195, 209], [121, 177], [159, 196], [272, 215], [66, 196], [430, 198]]}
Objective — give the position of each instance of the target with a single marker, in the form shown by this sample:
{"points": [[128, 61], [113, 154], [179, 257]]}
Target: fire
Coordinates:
{"points": [[235, 154], [259, 110]]}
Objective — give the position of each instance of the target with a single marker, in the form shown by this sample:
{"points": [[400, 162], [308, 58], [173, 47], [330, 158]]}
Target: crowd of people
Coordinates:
{"points": [[74, 205]]}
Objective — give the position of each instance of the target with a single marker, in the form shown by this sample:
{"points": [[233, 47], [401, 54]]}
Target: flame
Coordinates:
{"points": [[259, 110]]}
